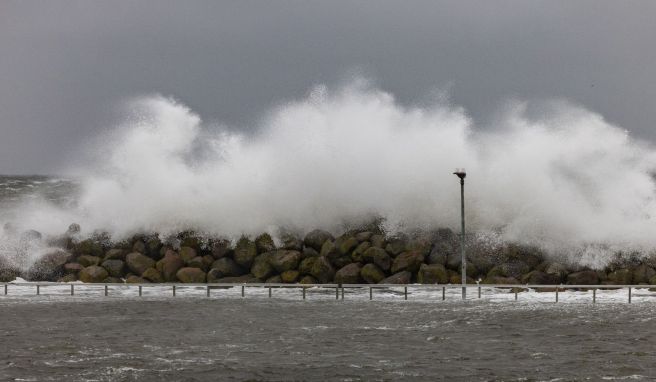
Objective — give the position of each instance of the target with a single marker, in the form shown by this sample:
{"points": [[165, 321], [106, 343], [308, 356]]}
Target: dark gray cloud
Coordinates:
{"points": [[65, 64]]}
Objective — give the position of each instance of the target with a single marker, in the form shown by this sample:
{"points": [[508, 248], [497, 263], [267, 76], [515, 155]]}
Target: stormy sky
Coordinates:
{"points": [[65, 65]]}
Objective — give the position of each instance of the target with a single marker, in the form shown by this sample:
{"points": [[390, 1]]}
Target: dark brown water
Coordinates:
{"points": [[195, 339]]}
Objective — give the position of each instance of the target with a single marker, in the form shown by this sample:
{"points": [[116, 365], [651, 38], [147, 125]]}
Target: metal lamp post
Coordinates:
{"points": [[460, 173]]}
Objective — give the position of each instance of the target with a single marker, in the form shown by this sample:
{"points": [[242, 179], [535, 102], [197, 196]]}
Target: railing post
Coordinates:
{"points": [[336, 293], [342, 292], [208, 290], [106, 290], [173, 290], [405, 293], [629, 295], [443, 293], [5, 289], [269, 292], [37, 289], [594, 296], [140, 290], [556, 294], [303, 293], [479, 291], [371, 293], [515, 295], [242, 291], [72, 289]]}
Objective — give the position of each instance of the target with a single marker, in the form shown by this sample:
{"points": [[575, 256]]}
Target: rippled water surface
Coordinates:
{"points": [[200, 339]]}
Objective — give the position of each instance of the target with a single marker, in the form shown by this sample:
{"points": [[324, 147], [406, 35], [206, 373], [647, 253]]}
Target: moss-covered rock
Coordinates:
{"points": [[112, 280], [622, 276], [316, 238], [432, 274], [88, 247], [198, 262], [115, 268], [540, 278], [187, 253], [357, 253], [169, 265], [305, 267], [643, 273], [346, 244], [322, 270], [371, 274], [407, 261], [586, 277], [226, 267], [378, 241], [115, 254], [277, 279], [289, 276], [88, 260], [403, 277], [262, 268], [264, 243], [245, 252], [379, 257], [138, 262], [191, 275], [93, 274], [329, 250], [132, 279], [153, 275], [396, 246], [308, 280], [72, 268], [285, 260], [221, 248]]}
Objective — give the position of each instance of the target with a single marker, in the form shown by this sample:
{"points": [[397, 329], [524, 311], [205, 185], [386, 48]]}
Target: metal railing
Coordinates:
{"points": [[339, 288]]}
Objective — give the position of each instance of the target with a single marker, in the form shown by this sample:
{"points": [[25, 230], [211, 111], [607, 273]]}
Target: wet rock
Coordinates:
{"points": [[221, 248], [341, 261], [93, 274], [153, 275], [226, 267], [136, 280], [364, 236], [329, 250], [378, 241], [402, 277], [187, 253], [115, 268], [277, 279], [540, 278], [8, 273], [583, 278], [262, 267], [350, 274], [643, 273], [357, 253], [306, 265], [191, 275], [169, 265], [346, 244], [422, 244], [322, 270], [437, 256], [69, 278], [213, 275], [432, 274], [371, 274], [289, 276], [285, 260], [513, 269], [264, 243], [198, 262], [379, 257], [72, 268], [308, 280], [395, 246], [190, 239], [153, 247], [245, 279], [87, 260], [49, 266], [139, 246], [245, 252], [115, 254], [88, 247], [621, 277], [112, 280], [316, 238], [309, 252], [499, 280], [138, 262], [558, 270], [407, 261], [291, 242]]}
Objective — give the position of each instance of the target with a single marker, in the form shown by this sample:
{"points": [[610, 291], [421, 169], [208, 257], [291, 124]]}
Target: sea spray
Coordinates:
{"points": [[567, 181]]}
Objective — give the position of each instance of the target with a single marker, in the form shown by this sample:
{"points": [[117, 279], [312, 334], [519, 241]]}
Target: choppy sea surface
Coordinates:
{"points": [[190, 337]]}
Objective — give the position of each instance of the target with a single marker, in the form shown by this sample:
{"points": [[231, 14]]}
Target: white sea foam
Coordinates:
{"points": [[567, 180]]}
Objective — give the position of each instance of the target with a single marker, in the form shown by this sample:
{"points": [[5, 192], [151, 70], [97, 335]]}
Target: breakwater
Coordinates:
{"points": [[357, 256]]}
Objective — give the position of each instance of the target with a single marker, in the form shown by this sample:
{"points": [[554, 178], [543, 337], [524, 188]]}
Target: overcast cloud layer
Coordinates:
{"points": [[64, 66]]}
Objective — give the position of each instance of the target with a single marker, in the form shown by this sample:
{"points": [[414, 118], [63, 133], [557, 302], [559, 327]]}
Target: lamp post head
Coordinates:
{"points": [[460, 172]]}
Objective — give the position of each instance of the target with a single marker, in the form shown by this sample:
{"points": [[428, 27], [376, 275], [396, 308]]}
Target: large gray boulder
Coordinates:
{"points": [[138, 262], [264, 243], [191, 275], [316, 238], [583, 278], [643, 273], [115, 268], [379, 257], [226, 267], [372, 274], [153, 275], [88, 260], [262, 267], [540, 278]]}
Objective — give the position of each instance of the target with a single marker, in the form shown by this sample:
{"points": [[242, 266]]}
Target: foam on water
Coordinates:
{"points": [[566, 180]]}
